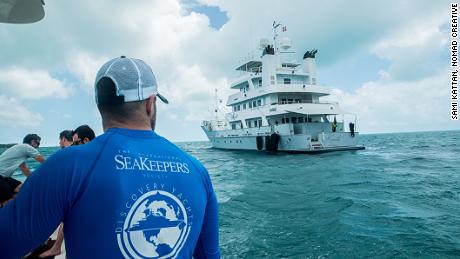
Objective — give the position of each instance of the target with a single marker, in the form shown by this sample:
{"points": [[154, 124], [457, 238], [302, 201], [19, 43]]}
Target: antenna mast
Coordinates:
{"points": [[216, 110], [275, 34]]}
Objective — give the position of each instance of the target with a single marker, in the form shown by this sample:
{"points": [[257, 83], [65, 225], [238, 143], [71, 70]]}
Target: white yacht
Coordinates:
{"points": [[278, 106]]}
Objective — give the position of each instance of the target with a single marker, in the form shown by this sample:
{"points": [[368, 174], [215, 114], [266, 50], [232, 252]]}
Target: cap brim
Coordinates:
{"points": [[162, 98]]}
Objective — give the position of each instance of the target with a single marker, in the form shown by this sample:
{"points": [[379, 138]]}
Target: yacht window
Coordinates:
{"points": [[250, 104], [259, 102], [287, 81], [260, 82], [289, 100], [260, 123], [244, 106], [255, 123], [283, 120], [298, 100], [283, 101], [294, 119], [300, 119], [234, 108], [309, 120], [254, 104], [287, 120]]}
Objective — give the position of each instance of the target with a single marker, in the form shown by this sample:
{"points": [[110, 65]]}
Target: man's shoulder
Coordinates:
{"points": [[73, 156], [88, 149], [185, 155], [21, 148], [170, 146]]}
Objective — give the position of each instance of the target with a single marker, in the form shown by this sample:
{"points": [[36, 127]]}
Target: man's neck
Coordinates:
{"points": [[116, 124]]}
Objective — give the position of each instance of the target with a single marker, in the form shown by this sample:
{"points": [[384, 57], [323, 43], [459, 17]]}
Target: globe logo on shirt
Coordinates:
{"points": [[156, 226]]}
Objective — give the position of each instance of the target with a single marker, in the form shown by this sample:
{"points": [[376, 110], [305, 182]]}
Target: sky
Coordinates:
{"points": [[383, 60]]}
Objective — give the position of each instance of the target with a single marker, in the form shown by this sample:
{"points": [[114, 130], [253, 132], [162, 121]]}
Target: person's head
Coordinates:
{"points": [[126, 91], [65, 138], [82, 135], [32, 139]]}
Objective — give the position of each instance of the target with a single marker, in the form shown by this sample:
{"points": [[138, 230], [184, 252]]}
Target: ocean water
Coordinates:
{"points": [[399, 198]]}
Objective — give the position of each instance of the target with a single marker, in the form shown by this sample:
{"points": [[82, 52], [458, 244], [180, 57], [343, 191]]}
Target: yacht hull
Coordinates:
{"points": [[292, 143]]}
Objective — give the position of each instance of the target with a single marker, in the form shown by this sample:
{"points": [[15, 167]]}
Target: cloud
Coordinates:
{"points": [[388, 106], [190, 59], [416, 49], [411, 94], [151, 29], [13, 112], [191, 94], [337, 29], [84, 67], [31, 84]]}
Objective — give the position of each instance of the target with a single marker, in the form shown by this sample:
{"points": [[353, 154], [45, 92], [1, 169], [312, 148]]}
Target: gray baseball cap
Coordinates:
{"points": [[124, 79]]}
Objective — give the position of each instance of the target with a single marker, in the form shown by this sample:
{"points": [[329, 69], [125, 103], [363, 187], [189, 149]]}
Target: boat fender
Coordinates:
{"points": [[271, 142], [268, 146], [274, 139], [260, 142]]}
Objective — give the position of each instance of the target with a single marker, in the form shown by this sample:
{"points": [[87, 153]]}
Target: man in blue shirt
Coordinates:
{"points": [[128, 193]]}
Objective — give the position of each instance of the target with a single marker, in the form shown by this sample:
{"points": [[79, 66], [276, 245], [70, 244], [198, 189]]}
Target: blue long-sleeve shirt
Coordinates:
{"points": [[128, 193]]}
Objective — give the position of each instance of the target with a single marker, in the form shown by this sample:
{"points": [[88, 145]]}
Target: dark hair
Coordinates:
{"points": [[67, 134], [106, 93], [84, 131], [29, 137], [112, 106]]}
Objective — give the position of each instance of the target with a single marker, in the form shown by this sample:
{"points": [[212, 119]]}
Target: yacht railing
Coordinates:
{"points": [[256, 70], [300, 83], [214, 124], [279, 87], [301, 101], [239, 76]]}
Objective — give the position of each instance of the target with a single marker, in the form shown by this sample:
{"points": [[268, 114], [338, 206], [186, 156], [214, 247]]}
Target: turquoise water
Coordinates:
{"points": [[398, 198]]}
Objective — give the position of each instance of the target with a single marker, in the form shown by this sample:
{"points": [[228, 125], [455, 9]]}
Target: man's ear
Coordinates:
{"points": [[149, 105]]}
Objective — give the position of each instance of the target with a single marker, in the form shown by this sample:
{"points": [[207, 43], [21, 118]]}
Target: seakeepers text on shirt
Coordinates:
{"points": [[145, 164]]}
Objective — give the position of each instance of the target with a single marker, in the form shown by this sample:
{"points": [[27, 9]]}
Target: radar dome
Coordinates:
{"points": [[286, 43], [264, 43]]}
